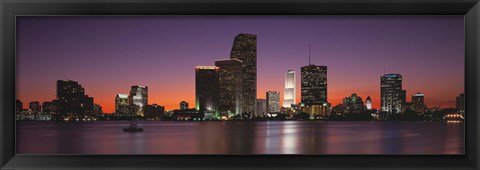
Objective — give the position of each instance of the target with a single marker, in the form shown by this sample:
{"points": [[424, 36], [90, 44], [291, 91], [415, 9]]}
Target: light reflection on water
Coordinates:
{"points": [[236, 137]]}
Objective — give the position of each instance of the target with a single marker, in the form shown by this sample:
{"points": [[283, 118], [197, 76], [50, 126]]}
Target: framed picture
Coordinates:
{"points": [[240, 84]]}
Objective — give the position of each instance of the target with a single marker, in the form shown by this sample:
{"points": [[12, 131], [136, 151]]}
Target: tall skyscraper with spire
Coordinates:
{"points": [[244, 48], [313, 84], [289, 93]]}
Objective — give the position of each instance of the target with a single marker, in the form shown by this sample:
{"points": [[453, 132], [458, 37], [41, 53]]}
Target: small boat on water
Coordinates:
{"points": [[132, 128]]}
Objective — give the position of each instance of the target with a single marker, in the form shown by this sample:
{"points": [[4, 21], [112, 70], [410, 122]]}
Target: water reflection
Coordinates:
{"points": [[236, 137]]}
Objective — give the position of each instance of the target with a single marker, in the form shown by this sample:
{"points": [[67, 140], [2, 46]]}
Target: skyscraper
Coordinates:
{"points": [[206, 88], [138, 100], [261, 107], [230, 86], [460, 102], [122, 106], [418, 102], [244, 48], [391, 93], [71, 98], [35, 107], [368, 103], [183, 105], [314, 85], [273, 101], [289, 93]]}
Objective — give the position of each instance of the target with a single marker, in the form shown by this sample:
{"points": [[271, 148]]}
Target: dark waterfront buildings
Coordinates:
{"points": [[418, 103], [71, 98], [230, 86], [206, 88], [391, 94], [183, 105], [35, 107], [353, 104], [314, 85], [138, 100], [18, 106], [155, 111], [244, 48], [48, 107]]}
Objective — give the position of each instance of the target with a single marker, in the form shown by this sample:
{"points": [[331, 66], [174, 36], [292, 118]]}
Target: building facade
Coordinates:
{"points": [[18, 106], [244, 48], [183, 105], [391, 93], [418, 102], [138, 99], [289, 95], [35, 107], [155, 111], [122, 106], [353, 104], [230, 86], [261, 109], [71, 98], [273, 101], [206, 88], [314, 85]]}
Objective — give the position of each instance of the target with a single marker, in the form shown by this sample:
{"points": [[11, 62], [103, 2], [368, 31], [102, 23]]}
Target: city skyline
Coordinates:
{"points": [[364, 81]]}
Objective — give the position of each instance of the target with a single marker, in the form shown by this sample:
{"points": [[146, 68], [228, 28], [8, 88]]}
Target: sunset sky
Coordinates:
{"points": [[108, 54]]}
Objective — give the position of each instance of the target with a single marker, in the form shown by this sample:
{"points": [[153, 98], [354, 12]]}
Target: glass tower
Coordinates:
{"points": [[391, 94], [245, 49], [138, 100]]}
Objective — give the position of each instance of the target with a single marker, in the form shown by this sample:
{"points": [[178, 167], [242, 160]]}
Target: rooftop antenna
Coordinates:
{"points": [[309, 54]]}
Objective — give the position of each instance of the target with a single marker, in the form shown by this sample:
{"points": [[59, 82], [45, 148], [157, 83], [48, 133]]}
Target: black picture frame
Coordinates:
{"points": [[11, 8]]}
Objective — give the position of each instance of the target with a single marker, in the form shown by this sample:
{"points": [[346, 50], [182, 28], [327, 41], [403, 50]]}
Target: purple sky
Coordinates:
{"points": [[109, 54]]}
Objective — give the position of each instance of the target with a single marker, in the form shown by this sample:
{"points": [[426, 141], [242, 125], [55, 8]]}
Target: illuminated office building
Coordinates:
{"points": [[122, 106], [314, 85], [244, 48], [391, 93], [273, 101], [261, 107], [230, 86], [138, 99], [206, 89], [289, 93], [418, 102]]}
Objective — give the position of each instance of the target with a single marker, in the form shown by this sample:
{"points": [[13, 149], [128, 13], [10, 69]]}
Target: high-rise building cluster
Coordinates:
{"points": [[135, 104], [229, 89]]}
